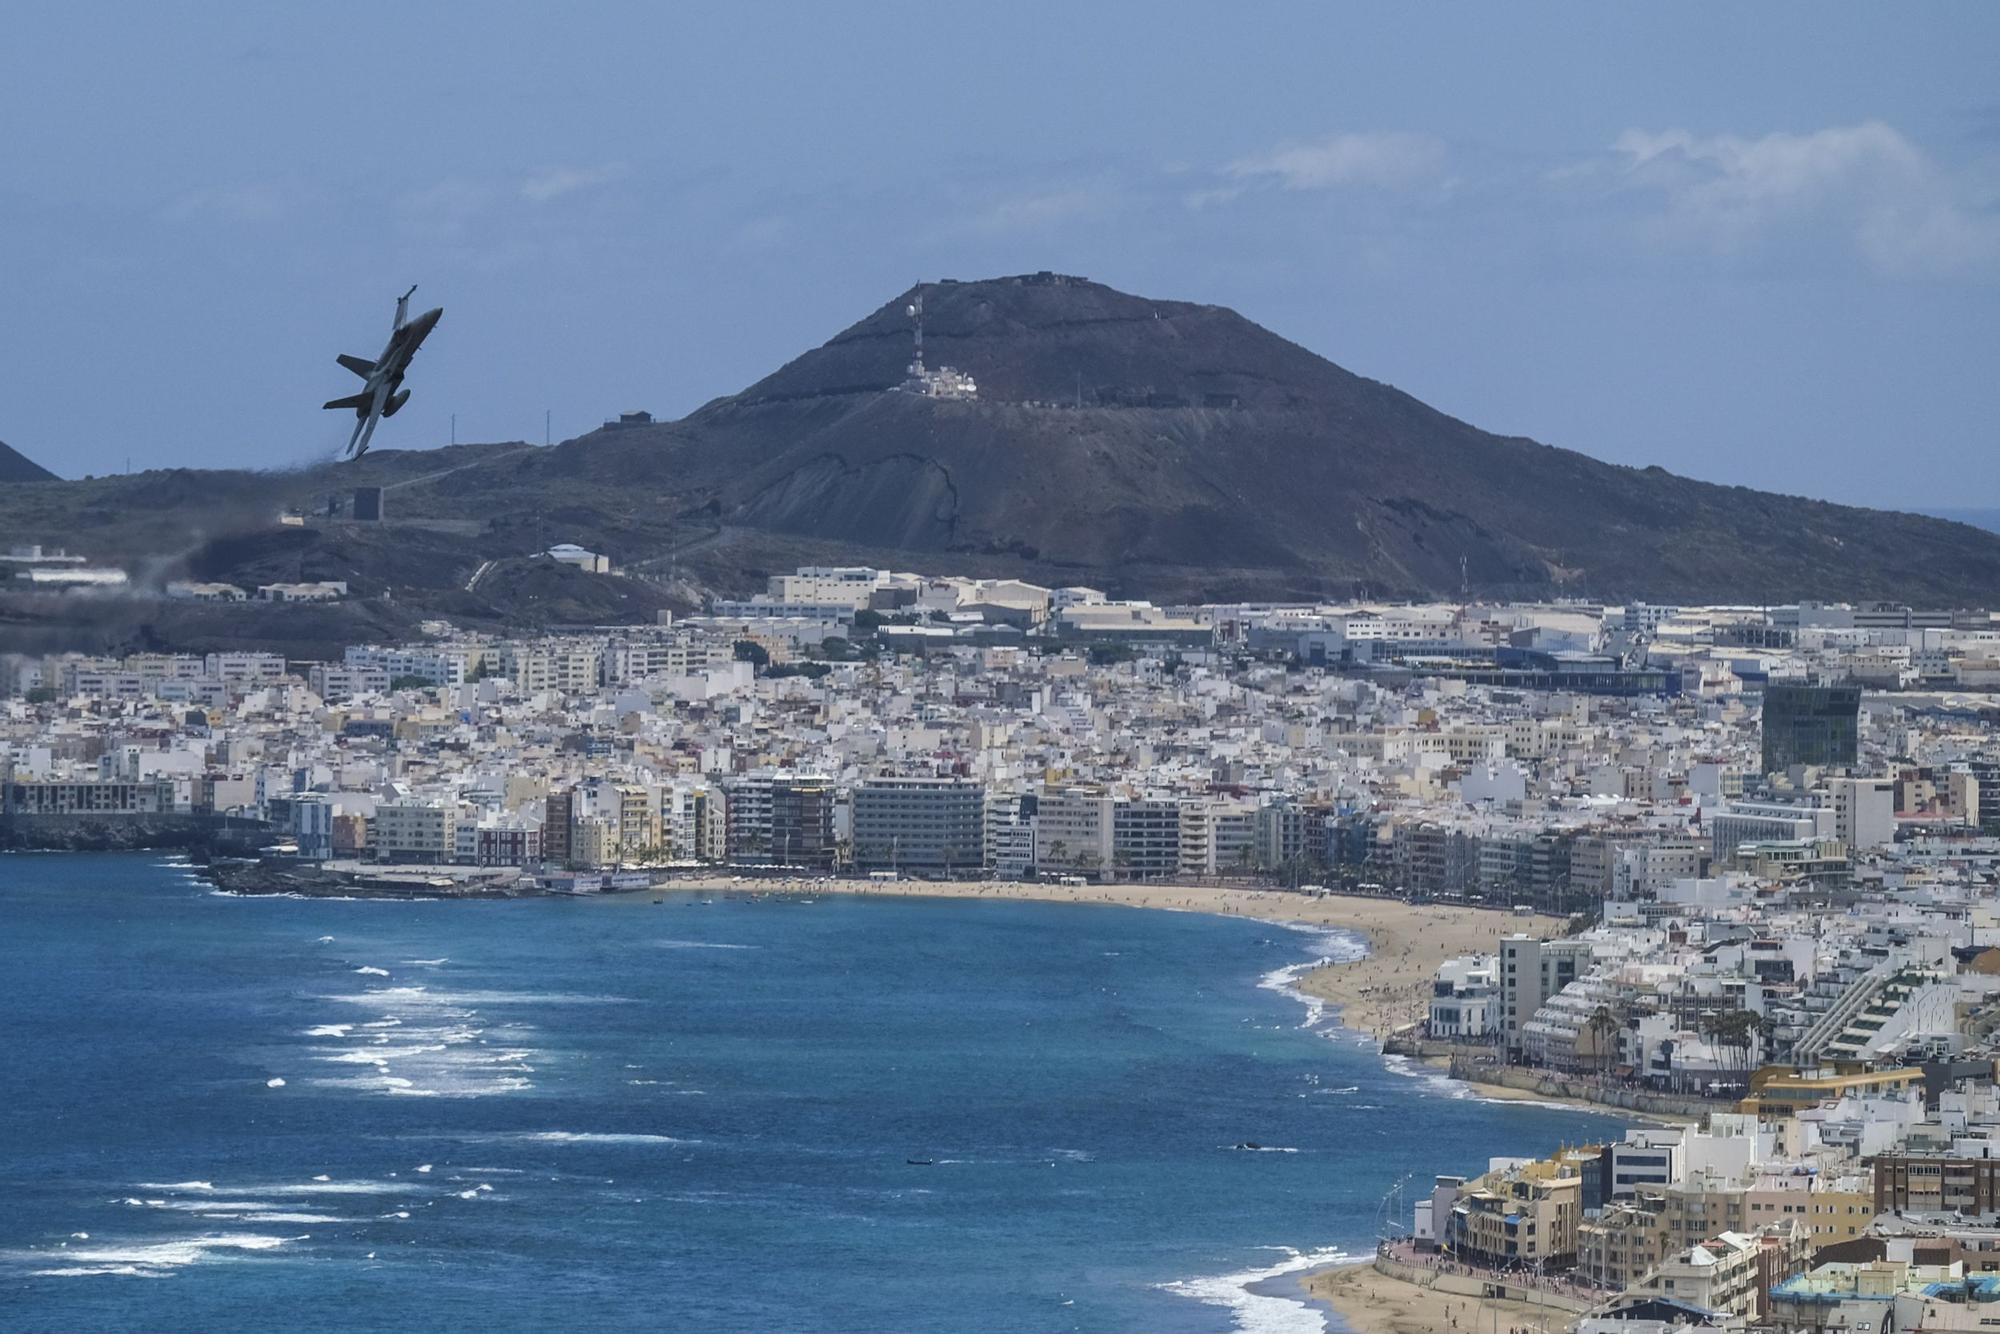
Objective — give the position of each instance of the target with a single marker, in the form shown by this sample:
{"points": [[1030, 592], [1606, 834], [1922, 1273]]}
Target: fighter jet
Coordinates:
{"points": [[380, 398]]}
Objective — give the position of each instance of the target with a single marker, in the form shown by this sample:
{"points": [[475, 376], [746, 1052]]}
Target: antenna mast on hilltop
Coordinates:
{"points": [[944, 382]]}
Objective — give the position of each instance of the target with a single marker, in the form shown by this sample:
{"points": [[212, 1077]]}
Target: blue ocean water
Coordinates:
{"points": [[699, 1114]]}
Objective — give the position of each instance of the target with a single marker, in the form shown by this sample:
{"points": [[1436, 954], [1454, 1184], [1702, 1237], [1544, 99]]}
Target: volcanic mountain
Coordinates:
{"points": [[18, 467], [1152, 448], [1159, 447]]}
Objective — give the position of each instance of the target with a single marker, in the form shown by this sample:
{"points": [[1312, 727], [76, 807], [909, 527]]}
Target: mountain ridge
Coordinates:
{"points": [[18, 467], [1167, 435], [1152, 448]]}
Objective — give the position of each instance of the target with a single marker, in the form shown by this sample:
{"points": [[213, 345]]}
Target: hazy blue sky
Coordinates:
{"points": [[1753, 243]]}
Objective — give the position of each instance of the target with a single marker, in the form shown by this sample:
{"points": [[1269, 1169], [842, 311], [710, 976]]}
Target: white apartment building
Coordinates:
{"points": [[571, 666], [1864, 811], [414, 831], [335, 682], [1073, 830], [1218, 838], [1531, 971], [245, 668], [436, 666], [628, 660], [848, 586], [1766, 822]]}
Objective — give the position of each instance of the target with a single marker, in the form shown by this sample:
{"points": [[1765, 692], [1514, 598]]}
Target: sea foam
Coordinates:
{"points": [[155, 1259], [594, 1137], [1257, 1312], [1335, 946]]}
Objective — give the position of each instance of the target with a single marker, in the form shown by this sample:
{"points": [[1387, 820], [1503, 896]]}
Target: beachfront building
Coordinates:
{"points": [[930, 827], [1146, 838], [1218, 837], [780, 818], [415, 830], [1525, 1215], [1074, 829], [89, 797], [1464, 1003], [1531, 971]]}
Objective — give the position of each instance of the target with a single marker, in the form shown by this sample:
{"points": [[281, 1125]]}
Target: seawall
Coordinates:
{"points": [[1478, 1286], [1549, 1084]]}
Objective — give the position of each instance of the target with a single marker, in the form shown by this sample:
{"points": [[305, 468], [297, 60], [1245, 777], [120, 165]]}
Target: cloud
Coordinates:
{"points": [[1380, 160], [1901, 210], [556, 182]]}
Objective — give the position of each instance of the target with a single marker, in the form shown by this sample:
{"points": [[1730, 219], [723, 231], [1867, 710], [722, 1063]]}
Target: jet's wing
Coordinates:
{"points": [[357, 444], [361, 366], [364, 430]]}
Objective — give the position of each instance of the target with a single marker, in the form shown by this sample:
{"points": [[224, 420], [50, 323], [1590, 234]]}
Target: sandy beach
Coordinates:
{"points": [[1374, 1303]]}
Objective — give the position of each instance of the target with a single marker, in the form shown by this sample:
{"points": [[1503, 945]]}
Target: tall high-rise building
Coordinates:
{"points": [[558, 808], [1811, 725], [781, 819], [920, 826], [802, 830]]}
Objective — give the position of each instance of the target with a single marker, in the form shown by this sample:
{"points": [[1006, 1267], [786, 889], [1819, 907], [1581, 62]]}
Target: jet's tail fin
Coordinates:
{"points": [[356, 401], [361, 366]]}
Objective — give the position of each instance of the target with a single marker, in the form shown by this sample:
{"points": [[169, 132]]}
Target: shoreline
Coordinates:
{"points": [[1385, 989], [1376, 995]]}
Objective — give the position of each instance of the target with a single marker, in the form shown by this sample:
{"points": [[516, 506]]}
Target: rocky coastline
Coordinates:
{"points": [[286, 875]]}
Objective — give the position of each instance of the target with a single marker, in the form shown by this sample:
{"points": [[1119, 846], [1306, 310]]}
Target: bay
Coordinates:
{"points": [[724, 1112]]}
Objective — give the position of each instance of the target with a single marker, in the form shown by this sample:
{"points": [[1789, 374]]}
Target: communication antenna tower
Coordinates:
{"points": [[916, 312]]}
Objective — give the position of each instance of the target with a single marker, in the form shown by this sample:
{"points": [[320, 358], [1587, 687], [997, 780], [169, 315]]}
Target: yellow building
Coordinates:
{"points": [[1706, 1205], [1521, 1215], [1778, 1092], [1701, 1206], [592, 844], [1624, 1241], [1827, 1211]]}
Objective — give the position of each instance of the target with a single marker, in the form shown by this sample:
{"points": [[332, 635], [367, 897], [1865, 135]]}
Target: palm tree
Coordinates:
{"points": [[1735, 1029], [1601, 1028]]}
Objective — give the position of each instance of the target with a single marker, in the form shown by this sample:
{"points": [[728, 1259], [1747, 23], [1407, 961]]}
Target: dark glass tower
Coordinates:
{"points": [[1815, 725]]}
